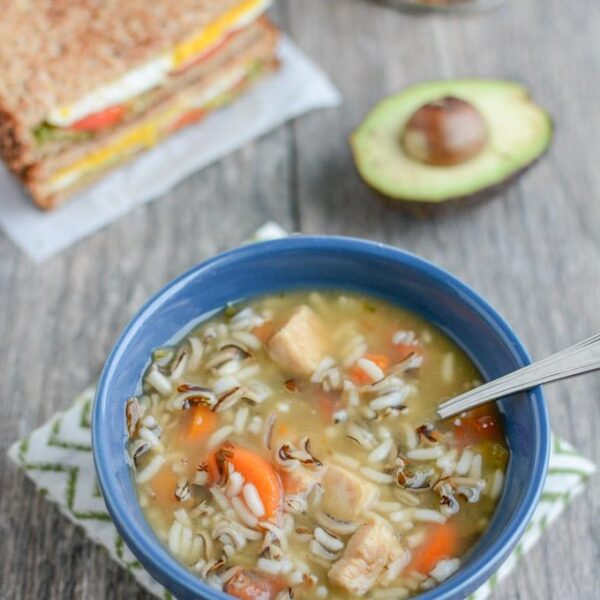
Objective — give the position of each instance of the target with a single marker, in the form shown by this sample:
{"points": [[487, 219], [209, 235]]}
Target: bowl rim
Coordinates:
{"points": [[151, 553]]}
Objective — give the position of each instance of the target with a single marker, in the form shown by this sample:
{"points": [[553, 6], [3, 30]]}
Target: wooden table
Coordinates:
{"points": [[535, 253]]}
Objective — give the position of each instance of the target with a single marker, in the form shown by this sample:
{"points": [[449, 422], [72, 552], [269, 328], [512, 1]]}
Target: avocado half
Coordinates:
{"points": [[518, 133]]}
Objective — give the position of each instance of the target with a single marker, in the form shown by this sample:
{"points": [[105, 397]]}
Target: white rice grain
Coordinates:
{"points": [[201, 478], [224, 384], [427, 515], [447, 462], [219, 436], [381, 452], [182, 516], [444, 569], [239, 422], [220, 498], [243, 513], [369, 368], [408, 435], [234, 484], [376, 476], [464, 463], [448, 367], [249, 371], [196, 354], [150, 470], [390, 400], [403, 337], [249, 339], [326, 363], [383, 433], [316, 549], [159, 382], [174, 540], [388, 507], [271, 567], [255, 426], [496, 484], [231, 367], [328, 541], [345, 461], [431, 453], [402, 516], [253, 501], [475, 469], [321, 592]]}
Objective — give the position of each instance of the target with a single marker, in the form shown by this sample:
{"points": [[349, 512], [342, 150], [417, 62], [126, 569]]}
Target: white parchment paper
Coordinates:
{"points": [[299, 86]]}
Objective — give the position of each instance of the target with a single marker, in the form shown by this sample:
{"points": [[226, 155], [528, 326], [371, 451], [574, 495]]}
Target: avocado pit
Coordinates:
{"points": [[444, 133]]}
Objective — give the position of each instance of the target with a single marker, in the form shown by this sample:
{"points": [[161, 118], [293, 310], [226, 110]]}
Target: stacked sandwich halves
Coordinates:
{"points": [[86, 85]]}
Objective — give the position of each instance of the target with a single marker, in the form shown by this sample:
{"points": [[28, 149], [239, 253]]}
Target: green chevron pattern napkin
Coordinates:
{"points": [[57, 457]]}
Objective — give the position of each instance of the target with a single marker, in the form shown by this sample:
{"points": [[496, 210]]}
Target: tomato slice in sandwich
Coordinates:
{"points": [[101, 119]]}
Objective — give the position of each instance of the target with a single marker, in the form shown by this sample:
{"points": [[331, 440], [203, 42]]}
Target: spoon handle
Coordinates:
{"points": [[576, 360]]}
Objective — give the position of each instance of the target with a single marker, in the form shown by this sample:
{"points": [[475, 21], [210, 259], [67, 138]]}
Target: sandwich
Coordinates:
{"points": [[87, 85]]}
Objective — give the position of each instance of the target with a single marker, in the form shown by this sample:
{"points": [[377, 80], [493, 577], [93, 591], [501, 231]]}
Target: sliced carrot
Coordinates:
{"points": [[478, 425], [360, 377], [440, 543], [264, 332], [163, 484], [257, 471], [202, 422]]}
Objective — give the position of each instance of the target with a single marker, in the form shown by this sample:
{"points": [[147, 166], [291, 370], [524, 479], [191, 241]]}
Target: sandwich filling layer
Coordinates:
{"points": [[189, 106], [104, 107]]}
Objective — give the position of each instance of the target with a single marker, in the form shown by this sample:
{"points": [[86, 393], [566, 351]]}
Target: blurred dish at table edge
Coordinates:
{"points": [[80, 102], [439, 142]]}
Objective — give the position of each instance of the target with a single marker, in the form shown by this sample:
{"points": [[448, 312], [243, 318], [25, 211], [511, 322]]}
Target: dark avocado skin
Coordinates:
{"points": [[426, 210]]}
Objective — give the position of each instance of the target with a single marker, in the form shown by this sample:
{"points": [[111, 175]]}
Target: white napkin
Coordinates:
{"points": [[299, 86]]}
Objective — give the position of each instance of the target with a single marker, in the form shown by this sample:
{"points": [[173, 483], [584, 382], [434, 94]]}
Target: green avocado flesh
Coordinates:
{"points": [[519, 132]]}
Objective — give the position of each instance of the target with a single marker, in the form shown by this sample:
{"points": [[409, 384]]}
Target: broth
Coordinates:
{"points": [[289, 447]]}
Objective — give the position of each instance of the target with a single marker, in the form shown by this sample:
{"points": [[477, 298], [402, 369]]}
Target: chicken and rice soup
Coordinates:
{"points": [[289, 448]]}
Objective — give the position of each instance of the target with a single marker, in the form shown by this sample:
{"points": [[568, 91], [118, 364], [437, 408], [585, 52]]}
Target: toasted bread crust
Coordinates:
{"points": [[35, 175], [52, 52]]}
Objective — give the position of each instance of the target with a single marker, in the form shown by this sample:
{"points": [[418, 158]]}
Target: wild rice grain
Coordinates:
{"points": [[253, 501]]}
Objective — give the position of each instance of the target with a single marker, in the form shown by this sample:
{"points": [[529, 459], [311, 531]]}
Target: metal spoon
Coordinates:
{"points": [[576, 360]]}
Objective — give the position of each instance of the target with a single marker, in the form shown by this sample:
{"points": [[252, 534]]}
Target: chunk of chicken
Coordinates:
{"points": [[301, 480], [345, 495], [299, 345], [373, 555], [249, 585]]}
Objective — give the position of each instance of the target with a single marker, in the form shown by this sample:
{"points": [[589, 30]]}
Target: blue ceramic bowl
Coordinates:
{"points": [[316, 262]]}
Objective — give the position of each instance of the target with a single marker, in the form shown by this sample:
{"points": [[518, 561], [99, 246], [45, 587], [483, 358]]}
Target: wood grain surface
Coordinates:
{"points": [[534, 252]]}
